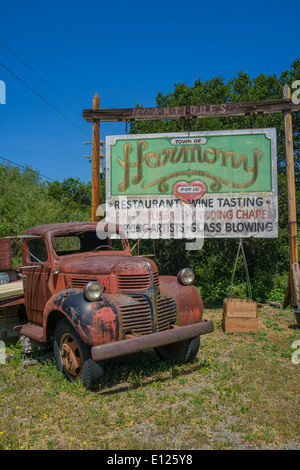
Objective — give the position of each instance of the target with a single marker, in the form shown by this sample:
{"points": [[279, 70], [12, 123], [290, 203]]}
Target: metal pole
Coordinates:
{"points": [[101, 158]]}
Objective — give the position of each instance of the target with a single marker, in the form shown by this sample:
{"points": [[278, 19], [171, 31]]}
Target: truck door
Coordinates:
{"points": [[36, 283]]}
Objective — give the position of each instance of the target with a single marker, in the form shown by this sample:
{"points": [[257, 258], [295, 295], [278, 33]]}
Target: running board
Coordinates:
{"points": [[32, 331]]}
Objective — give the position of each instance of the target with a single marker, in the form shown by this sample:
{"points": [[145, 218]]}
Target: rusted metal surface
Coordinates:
{"points": [[50, 229], [5, 254], [166, 313], [188, 300], [31, 331], [116, 273], [41, 284], [154, 340], [70, 356], [95, 322], [12, 302]]}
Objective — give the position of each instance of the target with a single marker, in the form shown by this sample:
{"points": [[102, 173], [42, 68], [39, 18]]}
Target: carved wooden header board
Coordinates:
{"points": [[189, 112]]}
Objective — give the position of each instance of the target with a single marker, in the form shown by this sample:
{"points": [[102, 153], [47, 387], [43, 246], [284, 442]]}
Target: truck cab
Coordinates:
{"points": [[88, 297]]}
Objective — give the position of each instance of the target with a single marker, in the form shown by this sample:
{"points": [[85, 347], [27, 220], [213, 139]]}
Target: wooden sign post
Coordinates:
{"points": [[95, 162], [292, 294]]}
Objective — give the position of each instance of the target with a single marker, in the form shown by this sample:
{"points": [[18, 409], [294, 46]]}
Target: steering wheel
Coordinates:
{"points": [[102, 246]]}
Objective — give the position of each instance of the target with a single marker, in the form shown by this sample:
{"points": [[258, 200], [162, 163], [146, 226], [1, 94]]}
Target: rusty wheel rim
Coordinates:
{"points": [[70, 356]]}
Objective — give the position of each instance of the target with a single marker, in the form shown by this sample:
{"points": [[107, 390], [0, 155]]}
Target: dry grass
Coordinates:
{"points": [[242, 392]]}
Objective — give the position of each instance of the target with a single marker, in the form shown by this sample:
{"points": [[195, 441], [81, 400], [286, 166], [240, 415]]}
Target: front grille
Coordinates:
{"points": [[132, 282], [80, 283], [166, 313], [136, 318], [156, 280]]}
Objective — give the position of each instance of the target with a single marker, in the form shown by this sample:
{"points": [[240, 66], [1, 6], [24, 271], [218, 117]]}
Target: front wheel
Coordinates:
{"points": [[73, 357], [184, 351]]}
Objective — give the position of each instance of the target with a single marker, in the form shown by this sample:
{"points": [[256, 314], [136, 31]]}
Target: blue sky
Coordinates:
{"points": [[127, 52]]}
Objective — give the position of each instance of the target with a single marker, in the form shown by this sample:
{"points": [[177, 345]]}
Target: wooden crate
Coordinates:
{"points": [[239, 316], [240, 308], [240, 325]]}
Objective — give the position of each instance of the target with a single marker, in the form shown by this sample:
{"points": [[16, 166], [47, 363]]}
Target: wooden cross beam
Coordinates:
{"points": [[189, 112]]}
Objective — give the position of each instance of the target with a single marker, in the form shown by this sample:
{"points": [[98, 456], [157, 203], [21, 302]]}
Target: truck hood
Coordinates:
{"points": [[95, 264]]}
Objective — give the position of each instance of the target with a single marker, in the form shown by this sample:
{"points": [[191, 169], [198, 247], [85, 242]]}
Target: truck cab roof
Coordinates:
{"points": [[50, 229]]}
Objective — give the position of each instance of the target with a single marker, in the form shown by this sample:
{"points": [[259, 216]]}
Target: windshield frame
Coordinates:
{"points": [[64, 233]]}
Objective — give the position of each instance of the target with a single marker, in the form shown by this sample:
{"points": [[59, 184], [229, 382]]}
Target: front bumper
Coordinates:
{"points": [[153, 340]]}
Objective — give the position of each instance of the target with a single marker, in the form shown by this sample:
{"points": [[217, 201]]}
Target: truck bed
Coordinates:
{"points": [[11, 290], [11, 304]]}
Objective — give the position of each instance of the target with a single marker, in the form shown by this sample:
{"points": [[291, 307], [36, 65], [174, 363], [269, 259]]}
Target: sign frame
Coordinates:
{"points": [[270, 133]]}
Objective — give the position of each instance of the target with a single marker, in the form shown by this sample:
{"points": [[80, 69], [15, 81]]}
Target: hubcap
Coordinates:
{"points": [[70, 356]]}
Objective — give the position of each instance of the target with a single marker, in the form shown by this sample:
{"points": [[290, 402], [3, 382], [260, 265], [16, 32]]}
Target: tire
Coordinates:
{"points": [[73, 357], [183, 352]]}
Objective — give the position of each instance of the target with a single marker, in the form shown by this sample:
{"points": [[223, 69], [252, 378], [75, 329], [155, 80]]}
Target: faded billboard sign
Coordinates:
{"points": [[226, 181]]}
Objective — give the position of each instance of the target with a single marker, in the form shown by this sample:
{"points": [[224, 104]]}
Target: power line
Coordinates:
{"points": [[41, 78], [27, 168], [46, 101]]}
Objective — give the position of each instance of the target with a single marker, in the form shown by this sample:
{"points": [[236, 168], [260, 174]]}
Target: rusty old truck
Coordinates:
{"points": [[86, 296]]}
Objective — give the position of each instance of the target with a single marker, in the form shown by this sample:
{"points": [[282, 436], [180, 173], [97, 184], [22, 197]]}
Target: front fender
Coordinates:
{"points": [[95, 322], [188, 300]]}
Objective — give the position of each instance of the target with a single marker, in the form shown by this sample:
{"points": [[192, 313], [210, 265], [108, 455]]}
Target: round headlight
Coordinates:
{"points": [[93, 290], [186, 276]]}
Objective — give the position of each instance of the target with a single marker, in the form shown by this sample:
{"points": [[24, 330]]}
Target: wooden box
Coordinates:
{"points": [[239, 316], [240, 308], [240, 325]]}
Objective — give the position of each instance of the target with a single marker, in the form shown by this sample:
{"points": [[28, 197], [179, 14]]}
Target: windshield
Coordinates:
{"points": [[83, 242]]}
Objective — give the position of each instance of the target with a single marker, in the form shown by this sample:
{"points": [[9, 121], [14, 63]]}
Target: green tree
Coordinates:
{"points": [[73, 189], [27, 201]]}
